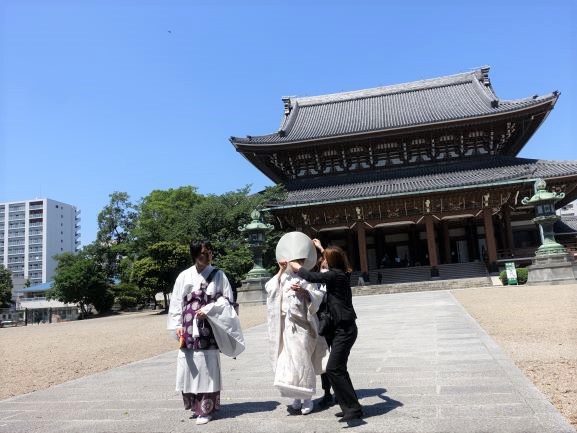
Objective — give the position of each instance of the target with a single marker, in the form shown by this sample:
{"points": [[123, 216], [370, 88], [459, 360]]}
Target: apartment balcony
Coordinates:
{"points": [[16, 261], [38, 224], [36, 206]]}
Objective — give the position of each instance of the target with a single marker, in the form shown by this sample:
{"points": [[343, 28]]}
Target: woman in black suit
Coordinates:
{"points": [[339, 300]]}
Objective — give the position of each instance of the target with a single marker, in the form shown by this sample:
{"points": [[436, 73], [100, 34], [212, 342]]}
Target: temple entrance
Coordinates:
{"points": [[462, 251]]}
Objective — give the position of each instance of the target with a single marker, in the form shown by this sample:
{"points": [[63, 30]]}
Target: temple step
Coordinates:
{"points": [[422, 286], [413, 274]]}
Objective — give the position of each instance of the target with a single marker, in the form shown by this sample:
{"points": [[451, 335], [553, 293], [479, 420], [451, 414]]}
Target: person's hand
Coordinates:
{"points": [[300, 291], [295, 266], [318, 245], [201, 314], [179, 332], [296, 287], [282, 264]]}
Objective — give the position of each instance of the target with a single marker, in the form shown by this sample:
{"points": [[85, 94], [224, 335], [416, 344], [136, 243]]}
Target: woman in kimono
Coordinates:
{"points": [[202, 297], [296, 349]]}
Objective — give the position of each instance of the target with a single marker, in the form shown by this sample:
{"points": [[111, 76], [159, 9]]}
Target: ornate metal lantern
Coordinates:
{"points": [[255, 236]]}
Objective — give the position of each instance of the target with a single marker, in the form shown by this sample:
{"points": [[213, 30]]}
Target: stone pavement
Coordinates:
{"points": [[420, 364]]}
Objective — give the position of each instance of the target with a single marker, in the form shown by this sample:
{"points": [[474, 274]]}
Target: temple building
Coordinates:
{"points": [[422, 173]]}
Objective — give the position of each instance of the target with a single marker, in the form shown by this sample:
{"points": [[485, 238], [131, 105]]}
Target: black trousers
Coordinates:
{"points": [[336, 371], [326, 385]]}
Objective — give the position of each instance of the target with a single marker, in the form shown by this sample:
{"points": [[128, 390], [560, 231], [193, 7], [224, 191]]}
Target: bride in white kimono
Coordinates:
{"points": [[296, 350]]}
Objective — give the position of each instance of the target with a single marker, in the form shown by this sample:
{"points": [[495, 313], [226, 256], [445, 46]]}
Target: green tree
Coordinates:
{"points": [[219, 217], [5, 286], [157, 271], [115, 224], [166, 216], [79, 279], [145, 275]]}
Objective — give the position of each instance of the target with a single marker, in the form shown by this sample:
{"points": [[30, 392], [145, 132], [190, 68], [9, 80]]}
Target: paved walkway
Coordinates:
{"points": [[421, 364]]}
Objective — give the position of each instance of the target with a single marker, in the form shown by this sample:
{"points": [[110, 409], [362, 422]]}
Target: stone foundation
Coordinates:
{"points": [[252, 291], [552, 269]]}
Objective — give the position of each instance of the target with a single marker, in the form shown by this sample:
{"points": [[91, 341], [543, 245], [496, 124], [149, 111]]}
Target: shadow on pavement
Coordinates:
{"points": [[232, 410], [388, 404]]}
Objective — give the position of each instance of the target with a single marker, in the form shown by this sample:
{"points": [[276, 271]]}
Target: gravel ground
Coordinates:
{"points": [[36, 357], [536, 326]]}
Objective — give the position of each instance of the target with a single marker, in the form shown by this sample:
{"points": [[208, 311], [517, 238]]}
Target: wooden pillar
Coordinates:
{"points": [[431, 245], [362, 241], [490, 236]]}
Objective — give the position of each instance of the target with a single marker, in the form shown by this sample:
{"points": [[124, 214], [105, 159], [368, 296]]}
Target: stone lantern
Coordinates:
{"points": [[544, 203], [252, 290], [255, 236], [551, 263]]}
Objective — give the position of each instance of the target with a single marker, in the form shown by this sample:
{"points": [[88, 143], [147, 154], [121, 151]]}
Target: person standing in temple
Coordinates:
{"points": [[322, 266], [339, 299], [202, 298]]}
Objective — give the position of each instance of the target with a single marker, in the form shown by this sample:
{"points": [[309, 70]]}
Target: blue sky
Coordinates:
{"points": [[102, 96]]}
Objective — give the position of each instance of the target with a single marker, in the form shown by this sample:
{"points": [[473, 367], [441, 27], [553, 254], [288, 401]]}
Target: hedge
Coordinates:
{"points": [[522, 274]]}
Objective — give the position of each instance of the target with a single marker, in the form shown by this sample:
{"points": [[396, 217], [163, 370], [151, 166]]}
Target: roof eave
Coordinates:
{"points": [[252, 146], [405, 194]]}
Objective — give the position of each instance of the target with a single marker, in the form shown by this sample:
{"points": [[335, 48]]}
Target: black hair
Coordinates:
{"points": [[196, 247]]}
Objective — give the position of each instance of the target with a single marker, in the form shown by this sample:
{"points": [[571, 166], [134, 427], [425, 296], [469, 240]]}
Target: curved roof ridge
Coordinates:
{"points": [[428, 83], [548, 96]]}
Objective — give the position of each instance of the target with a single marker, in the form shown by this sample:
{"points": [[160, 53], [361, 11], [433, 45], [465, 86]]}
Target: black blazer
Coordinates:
{"points": [[339, 295]]}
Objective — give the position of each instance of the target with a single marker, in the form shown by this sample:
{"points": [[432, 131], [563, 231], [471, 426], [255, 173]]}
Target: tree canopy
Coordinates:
{"points": [[79, 279], [116, 223], [5, 286], [166, 216], [146, 246]]}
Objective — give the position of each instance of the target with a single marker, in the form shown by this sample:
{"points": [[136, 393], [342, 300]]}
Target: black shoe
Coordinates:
{"points": [[351, 416], [339, 414], [326, 401]]}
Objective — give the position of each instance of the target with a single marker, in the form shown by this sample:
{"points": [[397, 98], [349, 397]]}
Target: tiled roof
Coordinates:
{"points": [[437, 100], [464, 174]]}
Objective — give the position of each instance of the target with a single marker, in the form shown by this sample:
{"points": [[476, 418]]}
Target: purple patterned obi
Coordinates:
{"points": [[191, 303]]}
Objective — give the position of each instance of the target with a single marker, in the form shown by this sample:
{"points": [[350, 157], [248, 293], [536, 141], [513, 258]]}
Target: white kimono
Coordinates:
{"points": [[296, 351], [198, 371]]}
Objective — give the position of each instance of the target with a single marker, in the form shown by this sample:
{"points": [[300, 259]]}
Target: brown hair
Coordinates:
{"points": [[337, 259]]}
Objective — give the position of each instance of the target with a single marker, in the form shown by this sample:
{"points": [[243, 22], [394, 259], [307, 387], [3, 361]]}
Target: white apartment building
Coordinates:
{"points": [[32, 232], [569, 209]]}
